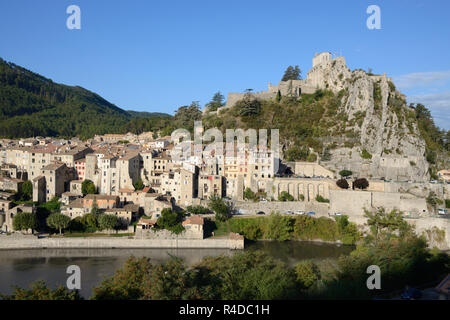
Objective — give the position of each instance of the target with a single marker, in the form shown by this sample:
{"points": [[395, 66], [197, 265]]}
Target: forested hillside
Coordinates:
{"points": [[32, 105]]}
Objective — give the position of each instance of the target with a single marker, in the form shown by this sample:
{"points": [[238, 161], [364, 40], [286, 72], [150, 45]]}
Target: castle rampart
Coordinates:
{"points": [[314, 81]]}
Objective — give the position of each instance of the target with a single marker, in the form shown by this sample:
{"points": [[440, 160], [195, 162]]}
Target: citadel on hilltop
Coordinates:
{"points": [[316, 79], [313, 81]]}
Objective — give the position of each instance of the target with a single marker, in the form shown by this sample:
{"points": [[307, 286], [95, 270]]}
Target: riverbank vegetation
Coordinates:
{"points": [[281, 227], [253, 274]]}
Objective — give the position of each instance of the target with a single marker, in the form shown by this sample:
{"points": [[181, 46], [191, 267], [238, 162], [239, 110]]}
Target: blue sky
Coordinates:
{"points": [[159, 55]]}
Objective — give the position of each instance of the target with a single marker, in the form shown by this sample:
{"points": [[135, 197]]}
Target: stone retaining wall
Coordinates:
{"points": [[32, 242]]}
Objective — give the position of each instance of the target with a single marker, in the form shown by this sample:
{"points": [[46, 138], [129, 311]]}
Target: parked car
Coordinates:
{"points": [[311, 213], [289, 212], [433, 181], [260, 212], [338, 214], [442, 211], [300, 212], [411, 293], [263, 200]]}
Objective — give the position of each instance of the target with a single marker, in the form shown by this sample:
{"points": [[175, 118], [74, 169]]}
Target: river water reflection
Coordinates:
{"points": [[21, 267]]}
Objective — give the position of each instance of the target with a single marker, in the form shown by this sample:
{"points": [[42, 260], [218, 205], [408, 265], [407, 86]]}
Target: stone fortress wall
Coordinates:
{"points": [[315, 80]]}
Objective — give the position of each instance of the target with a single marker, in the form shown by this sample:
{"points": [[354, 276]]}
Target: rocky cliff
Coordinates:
{"points": [[386, 140]]}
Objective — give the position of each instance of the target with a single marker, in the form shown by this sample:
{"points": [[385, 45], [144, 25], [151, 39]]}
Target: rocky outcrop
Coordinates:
{"points": [[383, 140]]}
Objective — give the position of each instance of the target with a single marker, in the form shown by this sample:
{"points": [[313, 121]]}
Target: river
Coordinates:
{"points": [[21, 267]]}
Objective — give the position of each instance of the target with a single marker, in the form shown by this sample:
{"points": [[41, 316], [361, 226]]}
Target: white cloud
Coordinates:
{"points": [[420, 79], [439, 105]]}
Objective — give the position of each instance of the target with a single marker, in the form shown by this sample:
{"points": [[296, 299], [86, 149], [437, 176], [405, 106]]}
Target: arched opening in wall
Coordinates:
{"points": [[291, 190], [321, 190], [300, 190], [311, 193]]}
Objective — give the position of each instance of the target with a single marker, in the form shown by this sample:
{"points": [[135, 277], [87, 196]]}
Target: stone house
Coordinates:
{"points": [[126, 215], [53, 182], [11, 184], [10, 214], [76, 187], [103, 201], [209, 185], [155, 203], [194, 227], [75, 209]]}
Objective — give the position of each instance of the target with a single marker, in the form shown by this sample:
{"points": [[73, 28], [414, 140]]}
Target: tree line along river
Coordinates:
{"points": [[21, 267]]}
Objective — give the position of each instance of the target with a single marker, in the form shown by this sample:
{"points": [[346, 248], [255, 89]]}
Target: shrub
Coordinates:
{"points": [[319, 198], [198, 210], [365, 154], [249, 194], [309, 228], [24, 221], [307, 274], [279, 227], [342, 183], [170, 220], [345, 173], [285, 196], [88, 187], [361, 183]]}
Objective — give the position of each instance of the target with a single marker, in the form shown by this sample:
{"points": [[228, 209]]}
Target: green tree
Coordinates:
{"points": [[361, 183], [88, 187], [221, 208], [249, 194], [186, 115], [278, 97], [138, 185], [345, 173], [279, 227], [27, 190], [108, 221], [248, 106], [39, 291], [347, 230], [386, 225], [292, 73], [342, 183], [58, 221], [24, 221], [171, 220], [216, 102], [95, 211], [308, 274], [90, 222], [127, 283]]}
